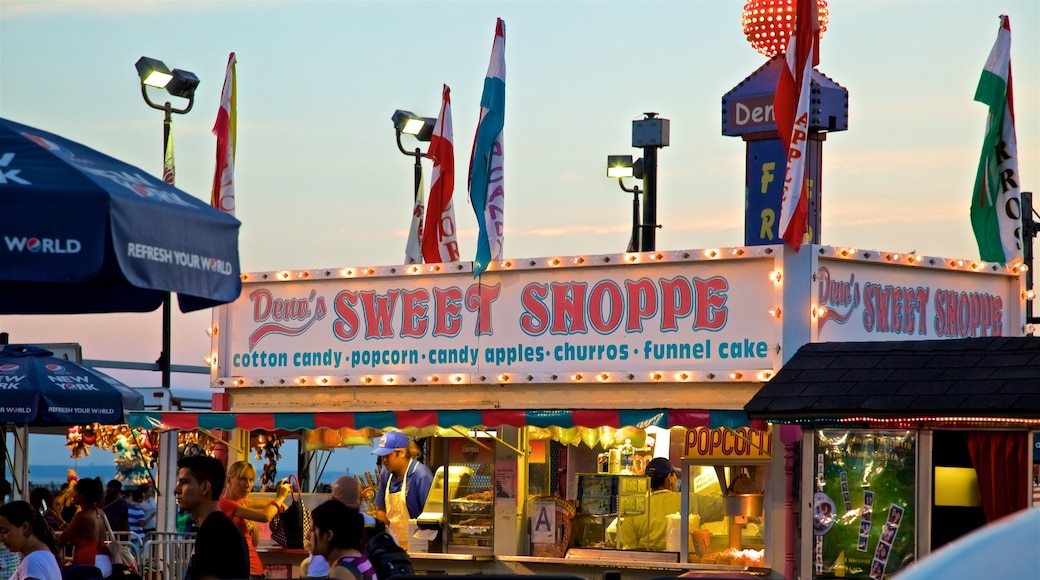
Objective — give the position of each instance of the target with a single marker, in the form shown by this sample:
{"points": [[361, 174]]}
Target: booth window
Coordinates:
{"points": [[957, 507]]}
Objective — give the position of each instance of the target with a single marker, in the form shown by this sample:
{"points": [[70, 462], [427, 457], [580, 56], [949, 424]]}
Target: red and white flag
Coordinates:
{"points": [[439, 243], [791, 108], [413, 249], [168, 171], [223, 196]]}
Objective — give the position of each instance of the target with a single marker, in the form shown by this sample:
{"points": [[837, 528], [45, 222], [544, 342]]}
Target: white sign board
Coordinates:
{"points": [[543, 522], [696, 315], [863, 301]]}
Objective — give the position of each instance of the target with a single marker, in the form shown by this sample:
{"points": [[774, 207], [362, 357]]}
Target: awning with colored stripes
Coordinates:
{"points": [[468, 419]]}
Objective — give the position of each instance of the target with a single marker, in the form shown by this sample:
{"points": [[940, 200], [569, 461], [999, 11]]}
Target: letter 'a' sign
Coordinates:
{"points": [[543, 522]]}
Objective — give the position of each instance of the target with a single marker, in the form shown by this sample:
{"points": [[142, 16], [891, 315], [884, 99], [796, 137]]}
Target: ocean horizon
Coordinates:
{"points": [[55, 475], [44, 448]]}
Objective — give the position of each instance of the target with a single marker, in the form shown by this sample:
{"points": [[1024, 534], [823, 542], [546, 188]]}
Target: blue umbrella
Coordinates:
{"points": [[1004, 549], [81, 232], [41, 389]]}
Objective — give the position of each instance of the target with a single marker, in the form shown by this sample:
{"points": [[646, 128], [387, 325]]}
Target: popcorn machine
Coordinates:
{"points": [[724, 480]]}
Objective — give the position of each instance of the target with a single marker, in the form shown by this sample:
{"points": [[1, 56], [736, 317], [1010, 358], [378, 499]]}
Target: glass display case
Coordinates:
{"points": [[433, 513], [471, 515]]}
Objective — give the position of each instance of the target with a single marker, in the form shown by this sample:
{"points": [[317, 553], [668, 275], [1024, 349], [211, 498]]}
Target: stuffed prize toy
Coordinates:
{"points": [[74, 441]]}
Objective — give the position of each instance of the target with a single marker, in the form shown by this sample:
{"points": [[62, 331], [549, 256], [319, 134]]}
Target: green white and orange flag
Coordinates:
{"points": [[226, 129], [996, 208]]}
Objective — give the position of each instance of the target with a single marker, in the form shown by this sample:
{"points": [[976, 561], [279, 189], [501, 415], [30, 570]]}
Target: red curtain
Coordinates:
{"points": [[1001, 460]]}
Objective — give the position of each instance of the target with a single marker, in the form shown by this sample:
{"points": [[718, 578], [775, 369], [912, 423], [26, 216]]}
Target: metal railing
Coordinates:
{"points": [[165, 555], [130, 541]]}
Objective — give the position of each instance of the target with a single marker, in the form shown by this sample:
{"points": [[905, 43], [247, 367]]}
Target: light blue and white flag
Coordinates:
{"points": [[486, 185]]}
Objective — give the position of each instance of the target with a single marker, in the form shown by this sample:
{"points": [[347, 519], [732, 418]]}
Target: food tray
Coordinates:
{"points": [[471, 505], [471, 530]]}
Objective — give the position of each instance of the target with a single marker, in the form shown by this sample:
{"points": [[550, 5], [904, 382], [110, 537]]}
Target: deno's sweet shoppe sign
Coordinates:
{"points": [[857, 301], [678, 315], [683, 314]]}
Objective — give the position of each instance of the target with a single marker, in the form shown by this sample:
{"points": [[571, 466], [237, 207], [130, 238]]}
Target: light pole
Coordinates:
{"points": [[179, 83], [421, 128], [622, 166], [651, 133], [1030, 230]]}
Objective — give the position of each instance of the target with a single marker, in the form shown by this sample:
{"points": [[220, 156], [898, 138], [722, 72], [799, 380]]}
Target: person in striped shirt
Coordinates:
{"points": [[136, 517]]}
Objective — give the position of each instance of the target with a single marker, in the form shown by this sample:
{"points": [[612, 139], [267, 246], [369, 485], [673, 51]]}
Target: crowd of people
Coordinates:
{"points": [[74, 529], [36, 535], [225, 546]]}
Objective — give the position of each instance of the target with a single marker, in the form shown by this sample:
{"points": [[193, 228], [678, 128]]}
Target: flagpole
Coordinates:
{"points": [[418, 178]]}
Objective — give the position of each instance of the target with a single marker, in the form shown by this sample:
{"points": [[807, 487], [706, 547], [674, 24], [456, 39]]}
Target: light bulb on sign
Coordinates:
{"points": [[767, 24]]}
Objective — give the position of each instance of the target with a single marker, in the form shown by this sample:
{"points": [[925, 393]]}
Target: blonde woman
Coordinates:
{"points": [[237, 505]]}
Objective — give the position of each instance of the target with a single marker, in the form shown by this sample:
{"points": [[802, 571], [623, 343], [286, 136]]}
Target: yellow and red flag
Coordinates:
{"points": [[223, 197]]}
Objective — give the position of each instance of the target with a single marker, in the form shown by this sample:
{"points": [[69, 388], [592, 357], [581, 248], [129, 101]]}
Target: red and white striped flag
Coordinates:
{"points": [[168, 172], [223, 196], [791, 109], [439, 243]]}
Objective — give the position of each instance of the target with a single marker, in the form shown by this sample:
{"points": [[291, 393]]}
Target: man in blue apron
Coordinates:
{"points": [[403, 485]]}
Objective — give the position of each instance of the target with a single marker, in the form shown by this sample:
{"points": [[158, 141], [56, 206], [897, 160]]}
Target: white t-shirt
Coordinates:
{"points": [[317, 566], [40, 564], [148, 507]]}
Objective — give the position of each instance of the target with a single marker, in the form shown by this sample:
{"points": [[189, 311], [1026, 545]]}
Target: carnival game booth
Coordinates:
{"points": [[906, 445], [547, 363]]}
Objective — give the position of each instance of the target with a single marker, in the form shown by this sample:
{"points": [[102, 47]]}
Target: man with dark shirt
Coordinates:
{"points": [[220, 549], [115, 507]]}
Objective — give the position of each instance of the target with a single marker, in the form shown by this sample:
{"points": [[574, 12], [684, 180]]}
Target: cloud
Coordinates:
{"points": [[31, 8]]}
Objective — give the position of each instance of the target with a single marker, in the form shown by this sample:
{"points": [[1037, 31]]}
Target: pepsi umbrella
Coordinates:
{"points": [[82, 232], [41, 389], [1004, 549]]}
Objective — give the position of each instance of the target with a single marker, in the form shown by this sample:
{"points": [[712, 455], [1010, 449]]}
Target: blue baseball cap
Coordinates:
{"points": [[389, 442]]}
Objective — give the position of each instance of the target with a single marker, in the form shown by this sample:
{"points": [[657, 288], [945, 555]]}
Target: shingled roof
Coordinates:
{"points": [[996, 376]]}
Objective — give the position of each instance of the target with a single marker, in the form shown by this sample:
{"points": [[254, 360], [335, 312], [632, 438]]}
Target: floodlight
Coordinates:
{"points": [[619, 166], [153, 72], [183, 84], [409, 123]]}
